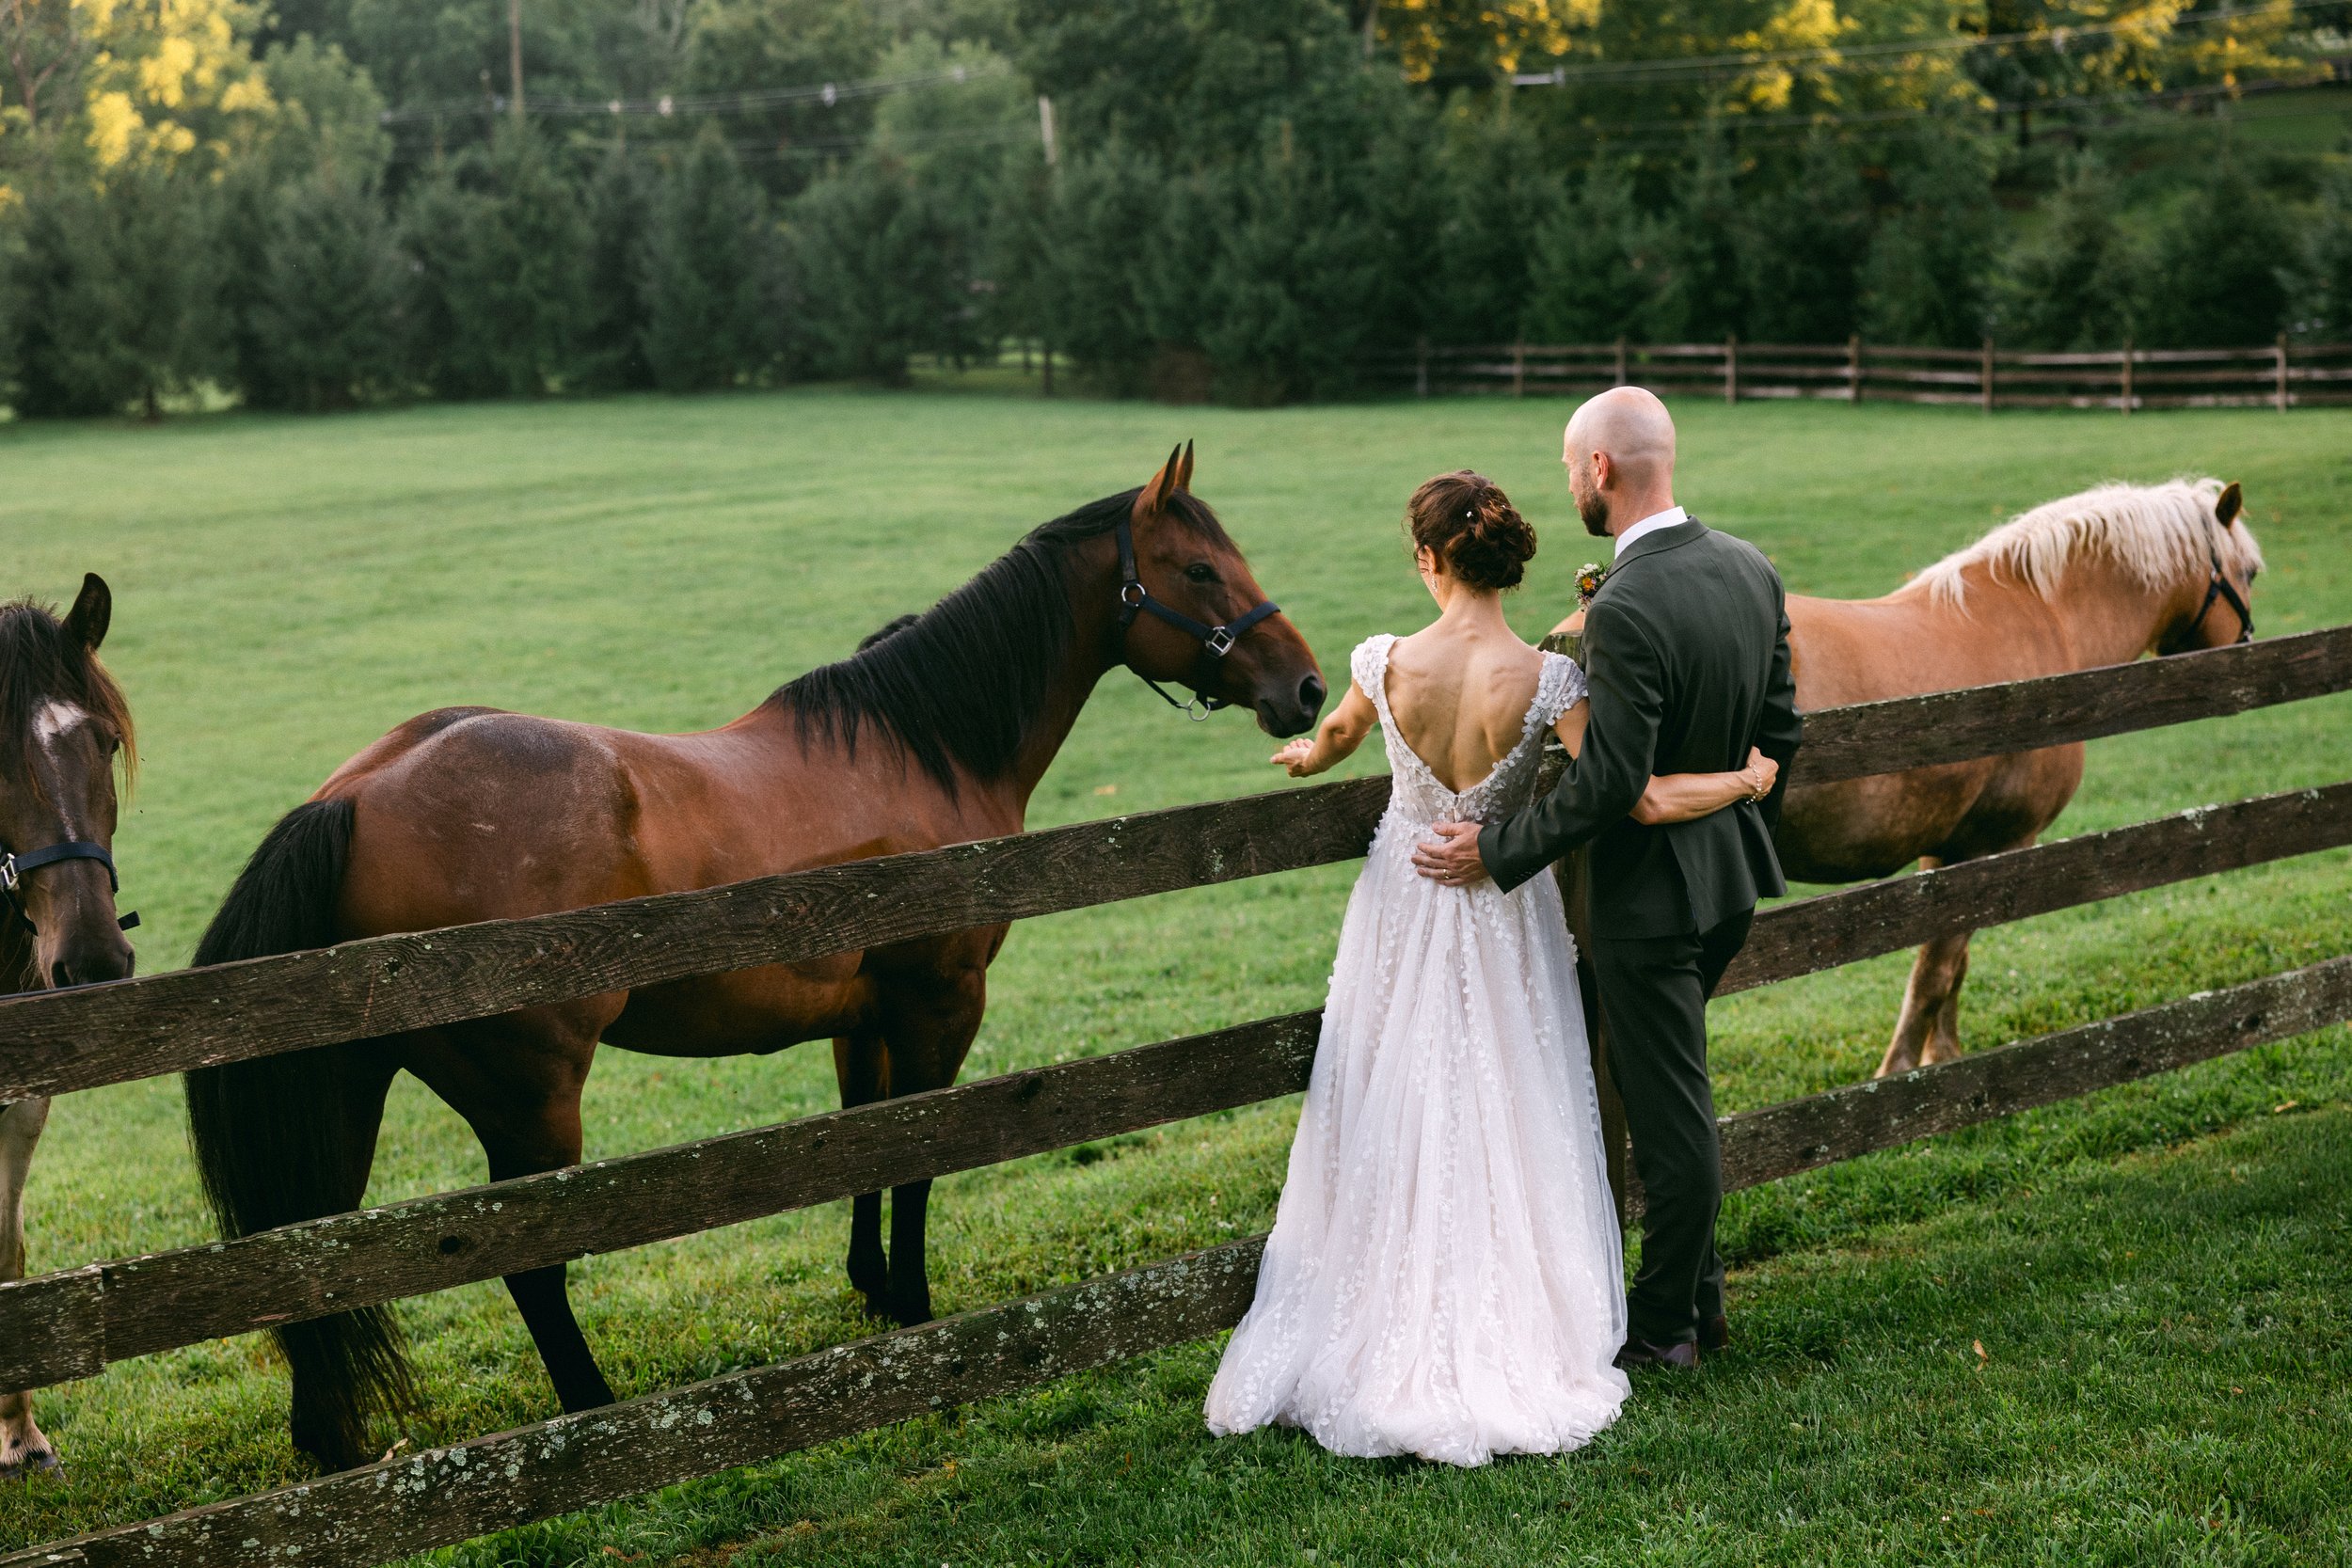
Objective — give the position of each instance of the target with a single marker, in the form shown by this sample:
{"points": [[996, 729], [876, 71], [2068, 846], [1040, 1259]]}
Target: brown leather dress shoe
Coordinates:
{"points": [[1682, 1355], [1715, 1333]]}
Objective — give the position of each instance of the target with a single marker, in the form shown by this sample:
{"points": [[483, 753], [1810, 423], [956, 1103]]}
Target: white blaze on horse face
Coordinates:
{"points": [[53, 719]]}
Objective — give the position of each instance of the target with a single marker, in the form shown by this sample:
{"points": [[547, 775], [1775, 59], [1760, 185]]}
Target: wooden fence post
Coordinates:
{"points": [[2282, 372], [1984, 377], [1620, 358], [2129, 354], [1731, 368], [1045, 383], [1421, 367], [1853, 369], [1518, 369]]}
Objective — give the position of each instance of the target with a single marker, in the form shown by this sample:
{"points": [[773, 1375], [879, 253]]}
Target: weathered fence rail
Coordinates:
{"points": [[55, 1041], [2280, 375], [74, 1323]]}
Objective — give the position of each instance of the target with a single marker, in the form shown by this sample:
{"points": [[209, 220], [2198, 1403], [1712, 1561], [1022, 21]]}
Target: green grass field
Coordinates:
{"points": [[2156, 1275]]}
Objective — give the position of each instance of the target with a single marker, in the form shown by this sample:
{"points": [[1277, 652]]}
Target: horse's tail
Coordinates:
{"points": [[289, 1137]]}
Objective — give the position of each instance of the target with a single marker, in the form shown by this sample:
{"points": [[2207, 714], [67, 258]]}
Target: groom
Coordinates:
{"points": [[1686, 645]]}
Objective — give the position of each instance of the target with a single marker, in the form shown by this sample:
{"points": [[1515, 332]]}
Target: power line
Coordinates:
{"points": [[1699, 67], [670, 105], [1662, 143]]}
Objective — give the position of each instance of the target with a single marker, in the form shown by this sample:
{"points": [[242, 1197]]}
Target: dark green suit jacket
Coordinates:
{"points": [[1686, 645]]}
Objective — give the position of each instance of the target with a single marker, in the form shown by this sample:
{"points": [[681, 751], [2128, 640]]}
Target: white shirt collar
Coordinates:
{"points": [[1651, 523]]}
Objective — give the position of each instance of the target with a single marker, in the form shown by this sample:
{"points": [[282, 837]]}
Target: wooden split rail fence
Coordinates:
{"points": [[74, 1323], [2278, 375]]}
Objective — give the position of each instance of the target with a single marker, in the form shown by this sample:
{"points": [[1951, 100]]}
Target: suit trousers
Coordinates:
{"points": [[1653, 992]]}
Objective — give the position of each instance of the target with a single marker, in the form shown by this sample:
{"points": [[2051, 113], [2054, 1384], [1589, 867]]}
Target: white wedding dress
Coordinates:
{"points": [[1444, 1277]]}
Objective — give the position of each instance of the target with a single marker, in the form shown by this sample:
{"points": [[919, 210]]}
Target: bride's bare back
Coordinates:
{"points": [[1461, 695]]}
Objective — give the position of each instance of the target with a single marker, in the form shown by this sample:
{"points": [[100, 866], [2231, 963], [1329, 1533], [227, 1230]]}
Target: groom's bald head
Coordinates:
{"points": [[1620, 449]]}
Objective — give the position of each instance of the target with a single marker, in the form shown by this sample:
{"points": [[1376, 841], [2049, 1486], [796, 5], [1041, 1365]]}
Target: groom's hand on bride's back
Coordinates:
{"points": [[1453, 859]]}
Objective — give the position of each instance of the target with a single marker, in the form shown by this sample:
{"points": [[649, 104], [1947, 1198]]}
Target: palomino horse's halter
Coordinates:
{"points": [[2219, 587], [1216, 641], [15, 867]]}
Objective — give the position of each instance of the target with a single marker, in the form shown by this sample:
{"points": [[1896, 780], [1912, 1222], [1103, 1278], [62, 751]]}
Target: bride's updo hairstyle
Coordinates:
{"points": [[1471, 526]]}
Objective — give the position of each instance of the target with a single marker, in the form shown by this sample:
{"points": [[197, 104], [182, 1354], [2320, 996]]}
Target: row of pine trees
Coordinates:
{"points": [[1272, 264]]}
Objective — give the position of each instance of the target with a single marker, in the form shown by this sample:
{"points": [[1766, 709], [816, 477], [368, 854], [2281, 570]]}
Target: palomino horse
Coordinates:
{"points": [[63, 724], [2096, 578], [933, 734]]}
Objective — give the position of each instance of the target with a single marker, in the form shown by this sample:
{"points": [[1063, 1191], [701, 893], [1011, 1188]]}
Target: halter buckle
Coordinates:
{"points": [[1140, 591], [1219, 641], [8, 873]]}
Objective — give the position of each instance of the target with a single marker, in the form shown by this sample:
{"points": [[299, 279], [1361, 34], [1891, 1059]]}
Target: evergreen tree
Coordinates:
{"points": [[2072, 286], [500, 287], [1803, 247], [2325, 284], [1929, 278], [873, 261], [11, 298], [1282, 314], [326, 318], [705, 260], [1593, 278], [2214, 277], [620, 217], [1494, 196], [1703, 292], [117, 291], [1104, 217]]}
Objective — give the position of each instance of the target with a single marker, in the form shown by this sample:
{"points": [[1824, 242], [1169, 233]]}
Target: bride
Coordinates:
{"points": [[1444, 1277]]}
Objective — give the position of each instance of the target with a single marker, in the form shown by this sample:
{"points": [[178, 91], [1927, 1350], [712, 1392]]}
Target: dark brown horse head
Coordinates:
{"points": [[1186, 562], [63, 728], [2215, 607]]}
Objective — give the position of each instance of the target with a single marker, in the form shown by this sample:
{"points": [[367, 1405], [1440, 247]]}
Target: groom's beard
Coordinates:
{"points": [[1594, 510]]}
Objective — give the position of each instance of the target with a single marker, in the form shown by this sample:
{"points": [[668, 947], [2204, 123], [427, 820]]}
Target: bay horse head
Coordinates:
{"points": [[1191, 613], [2215, 607], [64, 727]]}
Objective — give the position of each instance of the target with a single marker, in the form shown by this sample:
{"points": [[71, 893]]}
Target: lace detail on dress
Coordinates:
{"points": [[1444, 1273], [1418, 795]]}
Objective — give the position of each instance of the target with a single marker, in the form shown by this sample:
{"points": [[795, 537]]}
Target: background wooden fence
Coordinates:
{"points": [[2280, 375], [73, 1322]]}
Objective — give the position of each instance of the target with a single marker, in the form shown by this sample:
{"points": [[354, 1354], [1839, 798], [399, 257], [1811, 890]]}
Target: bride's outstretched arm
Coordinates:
{"points": [[1682, 797], [1337, 740]]}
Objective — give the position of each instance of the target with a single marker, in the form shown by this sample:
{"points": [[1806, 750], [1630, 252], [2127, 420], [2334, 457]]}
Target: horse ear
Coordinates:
{"points": [[1162, 484], [93, 608], [1183, 470], [2226, 506]]}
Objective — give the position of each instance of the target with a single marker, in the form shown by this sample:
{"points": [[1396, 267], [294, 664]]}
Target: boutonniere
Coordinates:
{"points": [[1589, 578]]}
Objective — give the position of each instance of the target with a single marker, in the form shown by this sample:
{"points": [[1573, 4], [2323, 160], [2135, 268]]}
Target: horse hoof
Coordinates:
{"points": [[44, 1462]]}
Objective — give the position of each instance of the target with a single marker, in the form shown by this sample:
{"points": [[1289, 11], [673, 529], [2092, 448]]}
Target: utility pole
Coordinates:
{"points": [[515, 57], [1046, 130]]}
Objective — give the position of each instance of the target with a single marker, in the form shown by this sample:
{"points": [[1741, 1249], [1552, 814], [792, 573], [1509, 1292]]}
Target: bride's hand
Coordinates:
{"points": [[1760, 772], [1293, 757]]}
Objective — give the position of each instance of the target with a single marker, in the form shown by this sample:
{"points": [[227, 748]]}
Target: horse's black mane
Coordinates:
{"points": [[41, 661], [962, 684]]}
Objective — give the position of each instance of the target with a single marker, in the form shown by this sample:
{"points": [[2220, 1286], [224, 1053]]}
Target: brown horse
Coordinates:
{"points": [[63, 727], [2094, 578], [936, 732]]}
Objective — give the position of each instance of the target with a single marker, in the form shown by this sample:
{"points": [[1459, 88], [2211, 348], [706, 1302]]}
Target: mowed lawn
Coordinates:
{"points": [[2107, 1332]]}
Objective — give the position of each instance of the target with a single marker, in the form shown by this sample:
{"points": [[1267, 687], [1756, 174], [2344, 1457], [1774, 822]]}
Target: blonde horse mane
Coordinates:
{"points": [[2157, 533]]}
